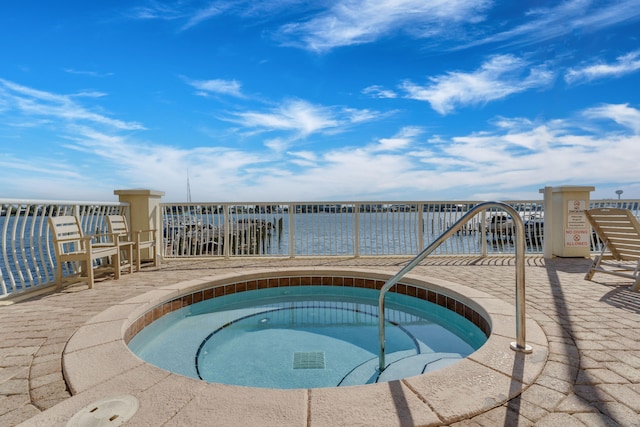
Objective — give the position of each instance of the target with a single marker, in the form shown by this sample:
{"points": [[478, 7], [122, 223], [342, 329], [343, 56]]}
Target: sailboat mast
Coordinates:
{"points": [[188, 189]]}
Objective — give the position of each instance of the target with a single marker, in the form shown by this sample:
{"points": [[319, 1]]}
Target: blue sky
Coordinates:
{"points": [[287, 100]]}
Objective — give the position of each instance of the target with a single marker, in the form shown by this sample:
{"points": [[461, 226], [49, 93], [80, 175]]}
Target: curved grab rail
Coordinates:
{"points": [[520, 343]]}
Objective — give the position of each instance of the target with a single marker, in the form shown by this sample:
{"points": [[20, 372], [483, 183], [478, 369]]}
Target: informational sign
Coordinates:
{"points": [[576, 232], [574, 237], [575, 214]]}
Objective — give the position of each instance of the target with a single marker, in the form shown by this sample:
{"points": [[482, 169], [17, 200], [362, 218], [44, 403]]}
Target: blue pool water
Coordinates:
{"points": [[305, 337]]}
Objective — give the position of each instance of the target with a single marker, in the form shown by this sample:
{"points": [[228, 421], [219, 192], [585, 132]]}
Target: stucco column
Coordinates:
{"points": [[144, 214], [566, 229]]}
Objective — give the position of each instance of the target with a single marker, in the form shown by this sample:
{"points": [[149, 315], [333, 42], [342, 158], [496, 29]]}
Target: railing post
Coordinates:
{"points": [[483, 234], [227, 230], [420, 226], [356, 230], [292, 228]]}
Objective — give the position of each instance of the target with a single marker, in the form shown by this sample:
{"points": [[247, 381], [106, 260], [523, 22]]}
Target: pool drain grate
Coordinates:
{"points": [[308, 360], [111, 411]]}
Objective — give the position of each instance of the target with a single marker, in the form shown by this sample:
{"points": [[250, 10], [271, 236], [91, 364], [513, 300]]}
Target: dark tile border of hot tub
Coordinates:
{"points": [[188, 299]]}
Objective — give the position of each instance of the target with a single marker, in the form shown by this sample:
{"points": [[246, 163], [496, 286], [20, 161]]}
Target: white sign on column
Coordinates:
{"points": [[576, 232]]}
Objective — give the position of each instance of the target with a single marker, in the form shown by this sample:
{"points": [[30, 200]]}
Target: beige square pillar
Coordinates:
{"points": [[566, 230], [145, 213]]}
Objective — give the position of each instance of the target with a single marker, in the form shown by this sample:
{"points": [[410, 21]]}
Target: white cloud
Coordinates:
{"points": [[400, 141], [87, 73], [303, 158], [354, 22], [624, 64], [379, 92], [34, 103], [511, 155], [302, 118], [517, 157], [497, 78], [327, 25], [204, 14], [157, 10], [193, 13], [293, 115], [565, 17], [217, 86], [620, 113], [164, 167]]}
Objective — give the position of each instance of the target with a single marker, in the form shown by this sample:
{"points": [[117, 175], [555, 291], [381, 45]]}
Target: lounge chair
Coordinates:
{"points": [[70, 245], [619, 231], [118, 225]]}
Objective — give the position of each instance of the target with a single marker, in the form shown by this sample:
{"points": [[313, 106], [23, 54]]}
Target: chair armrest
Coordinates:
{"points": [[138, 233], [115, 239], [71, 239], [152, 230]]}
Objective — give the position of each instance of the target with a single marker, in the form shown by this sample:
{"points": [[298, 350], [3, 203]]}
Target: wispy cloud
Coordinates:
{"points": [[377, 91], [400, 141], [324, 26], [293, 115], [209, 11], [354, 22], [567, 17], [622, 114], [154, 9], [624, 64], [497, 78], [87, 73], [512, 155], [54, 169], [515, 156], [302, 118], [189, 14], [303, 158], [38, 104], [217, 86]]}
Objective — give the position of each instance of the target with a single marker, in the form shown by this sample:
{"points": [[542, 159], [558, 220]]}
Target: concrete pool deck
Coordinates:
{"points": [[589, 376]]}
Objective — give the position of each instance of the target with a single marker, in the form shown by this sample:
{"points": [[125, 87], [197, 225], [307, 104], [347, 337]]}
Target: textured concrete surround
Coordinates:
{"points": [[98, 364]]}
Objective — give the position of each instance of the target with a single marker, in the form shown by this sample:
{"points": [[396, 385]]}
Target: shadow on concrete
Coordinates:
{"points": [[585, 389], [624, 298]]}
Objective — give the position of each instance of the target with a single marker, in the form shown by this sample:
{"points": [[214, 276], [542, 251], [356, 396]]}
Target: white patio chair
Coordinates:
{"points": [[143, 239], [70, 245], [619, 231]]}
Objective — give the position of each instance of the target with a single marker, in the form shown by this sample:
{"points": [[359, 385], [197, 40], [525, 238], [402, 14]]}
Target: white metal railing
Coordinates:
{"points": [[292, 229], [276, 229], [27, 258]]}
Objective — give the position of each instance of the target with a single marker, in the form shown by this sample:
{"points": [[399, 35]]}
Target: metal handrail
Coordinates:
{"points": [[520, 343]]}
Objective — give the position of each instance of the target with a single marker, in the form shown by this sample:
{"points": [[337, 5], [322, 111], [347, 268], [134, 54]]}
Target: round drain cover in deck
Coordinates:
{"points": [[111, 411]]}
